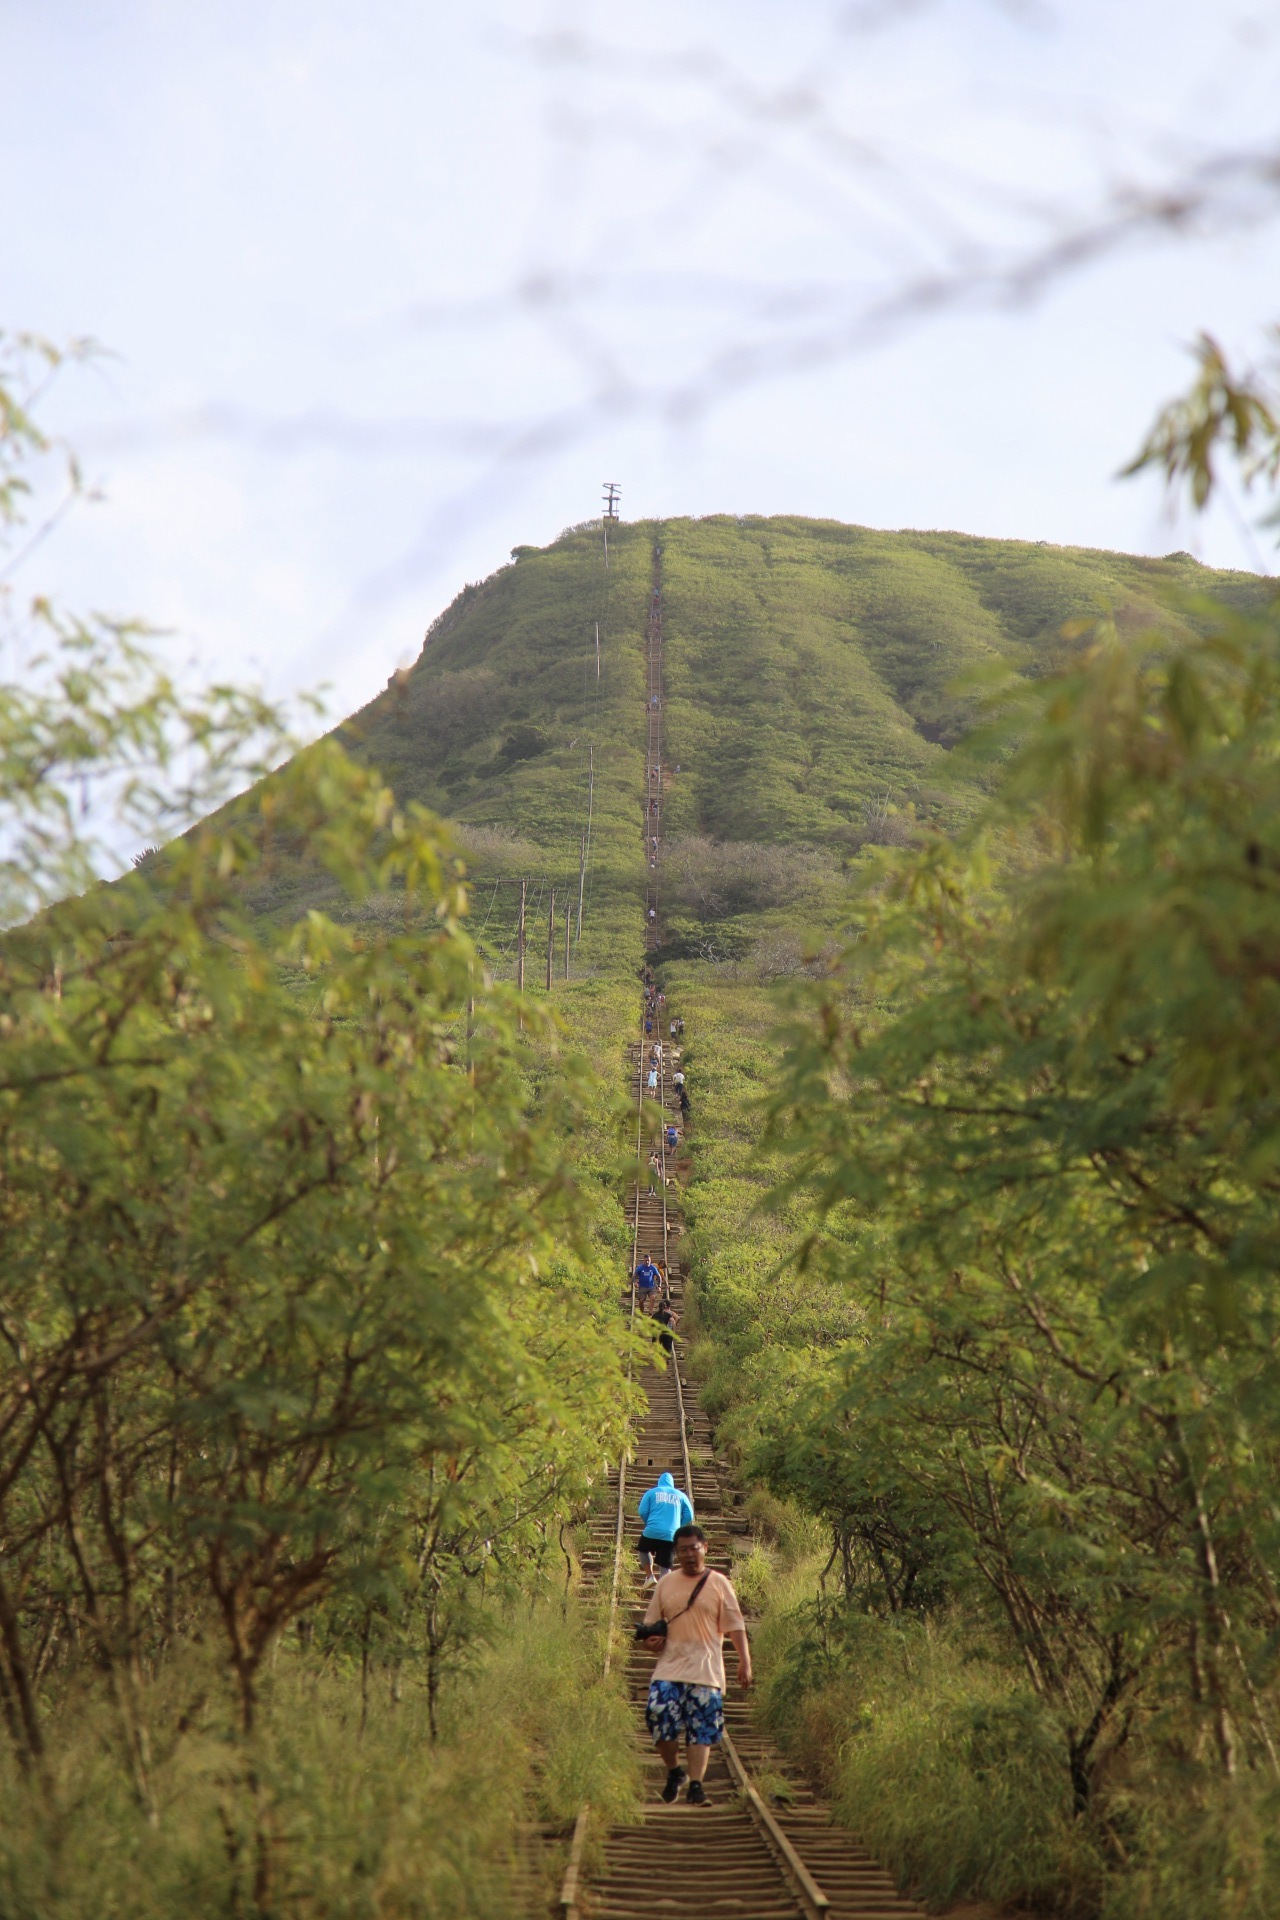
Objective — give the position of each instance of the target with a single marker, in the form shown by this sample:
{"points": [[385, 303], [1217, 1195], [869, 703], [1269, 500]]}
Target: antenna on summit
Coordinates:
{"points": [[612, 495]]}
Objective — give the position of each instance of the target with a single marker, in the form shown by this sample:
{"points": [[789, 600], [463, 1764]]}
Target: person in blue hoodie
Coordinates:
{"points": [[662, 1509]]}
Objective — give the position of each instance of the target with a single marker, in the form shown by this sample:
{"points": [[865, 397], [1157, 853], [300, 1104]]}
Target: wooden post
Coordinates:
{"points": [[568, 922], [551, 937], [582, 881], [520, 940]]}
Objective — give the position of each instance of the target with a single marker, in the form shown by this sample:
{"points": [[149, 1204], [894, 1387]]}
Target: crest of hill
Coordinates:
{"points": [[811, 670], [813, 676]]}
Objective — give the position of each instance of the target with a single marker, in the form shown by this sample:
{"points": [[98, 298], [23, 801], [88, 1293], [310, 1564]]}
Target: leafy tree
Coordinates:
{"points": [[1050, 1174], [299, 1309]]}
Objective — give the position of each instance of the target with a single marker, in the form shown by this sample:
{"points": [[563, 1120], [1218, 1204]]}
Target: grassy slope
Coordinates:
{"points": [[811, 702], [811, 666], [493, 726]]}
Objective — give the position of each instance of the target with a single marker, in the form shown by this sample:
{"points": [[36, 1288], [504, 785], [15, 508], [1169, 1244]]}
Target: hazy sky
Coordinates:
{"points": [[391, 287]]}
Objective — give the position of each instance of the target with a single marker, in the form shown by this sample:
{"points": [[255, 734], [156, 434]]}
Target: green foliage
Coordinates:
{"points": [[496, 723], [1216, 1857], [1240, 408], [368, 1815], [287, 1280], [1049, 1175], [1021, 1370], [811, 667], [308, 1332], [937, 1756]]}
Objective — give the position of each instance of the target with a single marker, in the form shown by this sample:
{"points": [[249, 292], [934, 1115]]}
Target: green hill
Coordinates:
{"points": [[811, 704]]}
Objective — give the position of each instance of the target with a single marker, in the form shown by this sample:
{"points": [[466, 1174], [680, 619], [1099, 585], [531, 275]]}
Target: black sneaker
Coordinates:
{"points": [[697, 1794], [675, 1780]]}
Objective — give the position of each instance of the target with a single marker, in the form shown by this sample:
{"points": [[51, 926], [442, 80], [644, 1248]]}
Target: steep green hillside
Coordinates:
{"points": [[812, 667], [812, 675]]}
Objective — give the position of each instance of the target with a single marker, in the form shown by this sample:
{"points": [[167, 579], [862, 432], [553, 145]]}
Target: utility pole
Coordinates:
{"points": [[612, 494], [520, 940], [586, 838], [551, 937], [568, 922], [597, 649]]}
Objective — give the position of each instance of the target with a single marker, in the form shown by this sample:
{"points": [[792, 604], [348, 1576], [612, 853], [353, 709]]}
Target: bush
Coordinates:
{"points": [[524, 742], [716, 878]]}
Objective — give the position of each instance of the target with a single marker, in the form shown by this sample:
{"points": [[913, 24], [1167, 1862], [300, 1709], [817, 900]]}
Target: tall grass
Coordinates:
{"points": [[359, 1822], [1219, 1859], [930, 1747]]}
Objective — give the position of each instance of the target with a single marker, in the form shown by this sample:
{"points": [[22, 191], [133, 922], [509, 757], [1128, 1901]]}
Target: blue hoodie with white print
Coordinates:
{"points": [[664, 1508]]}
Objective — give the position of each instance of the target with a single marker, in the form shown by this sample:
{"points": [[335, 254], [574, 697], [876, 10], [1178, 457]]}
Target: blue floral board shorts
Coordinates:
{"points": [[676, 1708]]}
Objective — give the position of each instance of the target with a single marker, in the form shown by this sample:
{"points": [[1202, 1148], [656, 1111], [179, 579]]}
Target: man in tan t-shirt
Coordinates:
{"points": [[686, 1694]]}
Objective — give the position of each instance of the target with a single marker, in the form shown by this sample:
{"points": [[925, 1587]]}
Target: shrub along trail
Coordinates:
{"points": [[751, 1851]]}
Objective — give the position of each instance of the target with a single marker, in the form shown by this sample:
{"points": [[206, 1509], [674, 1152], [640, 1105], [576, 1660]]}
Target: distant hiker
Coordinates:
{"points": [[655, 1170], [648, 1281], [673, 1137], [677, 1079], [668, 1319], [683, 1096], [663, 1508], [653, 914], [648, 1026], [655, 1053], [686, 1694], [651, 1084]]}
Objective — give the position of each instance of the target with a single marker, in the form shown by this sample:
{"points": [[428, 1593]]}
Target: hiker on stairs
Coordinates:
{"points": [[663, 1508], [648, 1280], [686, 1694]]}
